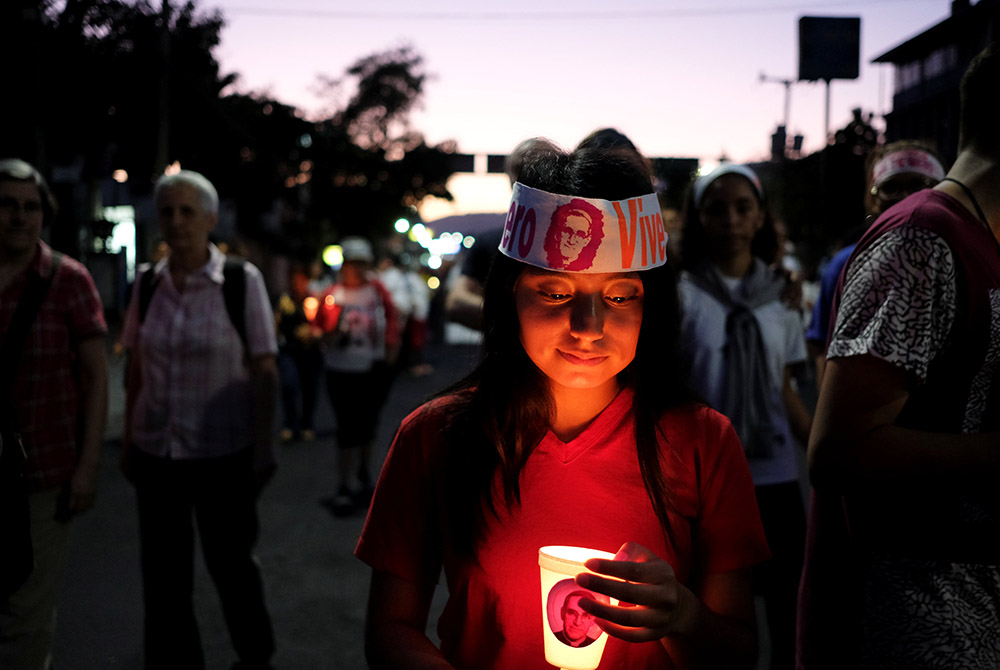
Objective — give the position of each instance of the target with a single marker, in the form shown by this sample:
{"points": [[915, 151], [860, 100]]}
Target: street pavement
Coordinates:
{"points": [[316, 589]]}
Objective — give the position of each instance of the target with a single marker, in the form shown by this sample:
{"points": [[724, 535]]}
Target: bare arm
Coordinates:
{"points": [[395, 628], [854, 441], [711, 626], [818, 353], [91, 356], [464, 303], [264, 380], [133, 383], [798, 416]]}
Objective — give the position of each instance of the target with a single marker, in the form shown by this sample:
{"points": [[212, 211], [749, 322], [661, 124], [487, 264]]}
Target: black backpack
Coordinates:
{"points": [[233, 291]]}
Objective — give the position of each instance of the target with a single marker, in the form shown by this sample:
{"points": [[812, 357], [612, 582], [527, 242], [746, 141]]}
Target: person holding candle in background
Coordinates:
{"points": [[359, 346], [579, 396]]}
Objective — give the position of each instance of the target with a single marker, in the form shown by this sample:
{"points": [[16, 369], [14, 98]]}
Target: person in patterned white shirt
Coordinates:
{"points": [[902, 558]]}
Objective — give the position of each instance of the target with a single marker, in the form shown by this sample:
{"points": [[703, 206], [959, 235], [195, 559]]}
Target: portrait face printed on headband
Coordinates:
{"points": [[574, 235], [579, 329]]}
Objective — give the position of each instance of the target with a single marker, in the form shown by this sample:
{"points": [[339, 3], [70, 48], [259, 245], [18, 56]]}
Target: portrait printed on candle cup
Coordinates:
{"points": [[566, 619], [573, 640]]}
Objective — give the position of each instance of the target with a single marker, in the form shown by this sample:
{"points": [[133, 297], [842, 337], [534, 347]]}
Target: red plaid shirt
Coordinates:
{"points": [[46, 389]]}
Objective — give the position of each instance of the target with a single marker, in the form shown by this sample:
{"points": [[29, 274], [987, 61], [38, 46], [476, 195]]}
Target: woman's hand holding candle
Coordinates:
{"points": [[710, 626], [652, 601]]}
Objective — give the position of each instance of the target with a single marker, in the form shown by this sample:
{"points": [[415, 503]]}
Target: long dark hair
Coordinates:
{"points": [[503, 408]]}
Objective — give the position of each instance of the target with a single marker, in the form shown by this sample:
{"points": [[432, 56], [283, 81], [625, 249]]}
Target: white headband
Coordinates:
{"points": [[702, 182], [570, 234], [906, 161]]}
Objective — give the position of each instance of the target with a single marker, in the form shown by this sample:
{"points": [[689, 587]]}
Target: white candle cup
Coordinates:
{"points": [[573, 641]]}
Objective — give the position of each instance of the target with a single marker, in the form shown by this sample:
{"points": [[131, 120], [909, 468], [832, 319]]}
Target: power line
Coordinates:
{"points": [[568, 15]]}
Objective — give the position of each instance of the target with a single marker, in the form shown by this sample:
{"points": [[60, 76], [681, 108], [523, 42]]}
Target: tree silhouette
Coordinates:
{"points": [[103, 85], [370, 166]]}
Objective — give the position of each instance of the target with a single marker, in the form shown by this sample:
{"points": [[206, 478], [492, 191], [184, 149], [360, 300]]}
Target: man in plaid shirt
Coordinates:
{"points": [[199, 431], [60, 397]]}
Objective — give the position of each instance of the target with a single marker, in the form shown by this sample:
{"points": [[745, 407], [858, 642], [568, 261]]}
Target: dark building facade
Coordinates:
{"points": [[928, 69]]}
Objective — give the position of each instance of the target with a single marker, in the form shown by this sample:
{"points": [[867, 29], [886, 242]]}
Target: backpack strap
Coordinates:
{"points": [[234, 290], [17, 333], [147, 284], [24, 316]]}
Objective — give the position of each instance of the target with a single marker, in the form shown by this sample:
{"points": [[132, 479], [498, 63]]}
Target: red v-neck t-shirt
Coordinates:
{"points": [[587, 492]]}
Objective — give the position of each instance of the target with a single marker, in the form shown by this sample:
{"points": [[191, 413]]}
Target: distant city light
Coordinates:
{"points": [[333, 256], [122, 235], [433, 283], [421, 234], [402, 225], [468, 241], [434, 262], [446, 245], [173, 168], [707, 166], [120, 176]]}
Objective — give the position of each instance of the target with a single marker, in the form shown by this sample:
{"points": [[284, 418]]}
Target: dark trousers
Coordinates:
{"points": [[218, 496], [300, 370], [357, 399], [777, 580]]}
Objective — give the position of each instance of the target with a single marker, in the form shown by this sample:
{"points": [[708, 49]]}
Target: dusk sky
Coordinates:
{"points": [[680, 78]]}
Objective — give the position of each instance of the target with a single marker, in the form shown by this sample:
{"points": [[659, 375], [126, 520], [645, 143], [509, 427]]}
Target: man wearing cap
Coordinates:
{"points": [[199, 430], [901, 562], [361, 342]]}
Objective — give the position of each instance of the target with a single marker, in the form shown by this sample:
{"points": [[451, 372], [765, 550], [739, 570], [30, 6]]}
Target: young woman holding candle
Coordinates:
{"points": [[575, 429]]}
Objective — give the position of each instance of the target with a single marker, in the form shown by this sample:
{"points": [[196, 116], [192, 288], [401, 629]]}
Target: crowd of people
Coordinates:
{"points": [[639, 361]]}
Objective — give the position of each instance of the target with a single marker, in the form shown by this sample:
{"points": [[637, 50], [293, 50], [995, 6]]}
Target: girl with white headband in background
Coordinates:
{"points": [[742, 342], [576, 428]]}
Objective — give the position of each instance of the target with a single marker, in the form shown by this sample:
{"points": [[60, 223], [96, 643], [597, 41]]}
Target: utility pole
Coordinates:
{"points": [[779, 140], [787, 83], [163, 98]]}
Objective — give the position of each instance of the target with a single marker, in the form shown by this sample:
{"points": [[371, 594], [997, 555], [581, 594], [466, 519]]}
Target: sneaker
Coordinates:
{"points": [[341, 504]]}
